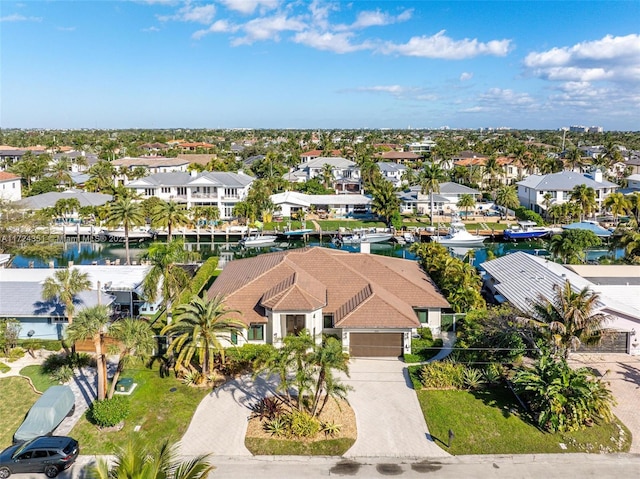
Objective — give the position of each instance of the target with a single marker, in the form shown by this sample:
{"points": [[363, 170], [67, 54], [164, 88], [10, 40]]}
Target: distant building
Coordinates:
{"points": [[10, 186], [393, 172], [444, 202]]}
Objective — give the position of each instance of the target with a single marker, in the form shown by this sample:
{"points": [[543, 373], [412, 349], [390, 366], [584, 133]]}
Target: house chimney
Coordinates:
{"points": [[597, 175], [99, 295], [365, 248]]}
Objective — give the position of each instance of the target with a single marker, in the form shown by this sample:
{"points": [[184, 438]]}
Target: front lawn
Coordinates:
{"points": [[16, 399], [488, 422], [162, 407], [4, 368], [40, 380]]}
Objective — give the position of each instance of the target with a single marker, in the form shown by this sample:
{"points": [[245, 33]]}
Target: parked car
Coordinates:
{"points": [[47, 413], [47, 454]]}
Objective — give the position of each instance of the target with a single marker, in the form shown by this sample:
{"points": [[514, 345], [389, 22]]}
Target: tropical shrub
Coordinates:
{"points": [[494, 373], [63, 374], [442, 375], [425, 333], [525, 214], [268, 408], [109, 412], [277, 426], [561, 398], [330, 428], [302, 424], [238, 360], [16, 353], [472, 378]]}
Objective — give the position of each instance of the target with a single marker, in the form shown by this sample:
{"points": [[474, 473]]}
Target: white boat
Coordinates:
{"points": [[363, 237], [409, 238], [458, 236], [526, 230], [254, 241]]}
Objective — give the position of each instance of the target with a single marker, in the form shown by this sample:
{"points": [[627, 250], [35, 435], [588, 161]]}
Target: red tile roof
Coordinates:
{"points": [[361, 290], [6, 176]]}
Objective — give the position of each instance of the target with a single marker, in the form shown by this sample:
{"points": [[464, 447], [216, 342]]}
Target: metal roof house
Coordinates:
{"points": [[521, 279]]}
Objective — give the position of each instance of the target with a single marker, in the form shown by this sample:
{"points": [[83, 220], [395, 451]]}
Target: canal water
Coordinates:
{"points": [[103, 253]]}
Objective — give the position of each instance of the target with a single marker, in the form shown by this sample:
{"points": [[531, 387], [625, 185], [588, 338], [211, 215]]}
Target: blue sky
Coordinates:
{"points": [[319, 64]]}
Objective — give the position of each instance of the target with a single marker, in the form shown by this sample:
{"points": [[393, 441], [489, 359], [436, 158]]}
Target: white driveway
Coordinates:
{"points": [[388, 414], [220, 422]]}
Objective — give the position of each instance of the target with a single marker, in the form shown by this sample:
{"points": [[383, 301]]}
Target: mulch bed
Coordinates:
{"points": [[338, 412]]}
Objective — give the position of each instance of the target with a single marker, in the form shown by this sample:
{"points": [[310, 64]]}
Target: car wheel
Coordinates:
{"points": [[51, 471], [4, 472]]}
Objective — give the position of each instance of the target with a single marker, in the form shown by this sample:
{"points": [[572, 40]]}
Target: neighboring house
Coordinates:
{"points": [[421, 147], [633, 182], [209, 188], [400, 157], [152, 164], [532, 189], [9, 156], [313, 154], [633, 163], [10, 186], [512, 169], [343, 172], [393, 172], [154, 149], [195, 146], [290, 202], [444, 202], [48, 200], [21, 298], [373, 303], [520, 278], [80, 161]]}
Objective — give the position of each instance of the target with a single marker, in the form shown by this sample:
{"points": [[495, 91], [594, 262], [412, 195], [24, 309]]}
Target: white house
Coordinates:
{"points": [[208, 188], [152, 164], [532, 189], [633, 182], [344, 172], [444, 202], [339, 205], [393, 172], [10, 186], [520, 278]]}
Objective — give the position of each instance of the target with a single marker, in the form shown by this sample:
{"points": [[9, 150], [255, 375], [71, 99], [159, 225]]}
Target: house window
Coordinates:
{"points": [[255, 332], [423, 315], [234, 337], [182, 190], [149, 191], [327, 321], [165, 189]]}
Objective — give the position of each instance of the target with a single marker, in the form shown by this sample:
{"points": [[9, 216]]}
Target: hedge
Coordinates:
{"points": [[199, 281]]}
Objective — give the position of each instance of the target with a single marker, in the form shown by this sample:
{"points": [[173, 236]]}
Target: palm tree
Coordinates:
{"points": [[618, 204], [547, 199], [574, 159], [493, 171], [585, 197], [135, 461], [327, 175], [65, 284], [326, 358], [168, 215], [92, 324], [466, 202], [195, 332], [385, 202], [126, 212], [507, 197], [166, 274], [134, 339], [432, 176], [570, 318]]}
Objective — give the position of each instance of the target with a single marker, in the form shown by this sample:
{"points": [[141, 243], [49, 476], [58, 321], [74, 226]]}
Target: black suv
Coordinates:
{"points": [[48, 454]]}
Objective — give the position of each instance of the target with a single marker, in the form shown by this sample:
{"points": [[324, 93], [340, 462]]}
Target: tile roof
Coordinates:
{"points": [[399, 155], [361, 290], [6, 176]]}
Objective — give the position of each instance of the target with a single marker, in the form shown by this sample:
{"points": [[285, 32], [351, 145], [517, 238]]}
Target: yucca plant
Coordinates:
{"points": [[472, 378], [330, 428]]}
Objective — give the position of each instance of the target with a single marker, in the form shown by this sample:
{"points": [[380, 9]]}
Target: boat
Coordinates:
{"points": [[255, 241], [526, 230], [409, 238], [298, 232], [363, 237], [458, 236], [118, 236]]}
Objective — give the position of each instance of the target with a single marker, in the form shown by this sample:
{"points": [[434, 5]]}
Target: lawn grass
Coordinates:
{"points": [[40, 380], [161, 414], [17, 397], [278, 447], [488, 422], [4, 368]]}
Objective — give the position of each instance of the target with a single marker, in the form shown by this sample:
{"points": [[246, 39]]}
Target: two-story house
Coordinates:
{"points": [[209, 188], [10, 186], [532, 190], [345, 174], [393, 172]]}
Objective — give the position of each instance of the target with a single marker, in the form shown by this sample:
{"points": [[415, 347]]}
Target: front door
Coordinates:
{"points": [[295, 324]]}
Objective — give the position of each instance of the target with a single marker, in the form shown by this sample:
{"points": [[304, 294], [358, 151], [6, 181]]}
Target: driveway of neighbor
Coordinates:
{"points": [[220, 422], [388, 415], [622, 372]]}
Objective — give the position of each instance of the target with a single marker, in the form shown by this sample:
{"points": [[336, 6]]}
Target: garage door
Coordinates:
{"points": [[375, 344], [611, 342]]}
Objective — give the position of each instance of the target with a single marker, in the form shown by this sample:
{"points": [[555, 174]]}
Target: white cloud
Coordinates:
{"points": [[192, 13], [320, 14], [219, 26], [377, 18], [444, 47], [268, 28], [505, 101], [334, 42], [398, 91], [610, 58], [466, 76], [151, 29], [249, 6], [16, 17], [66, 29]]}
